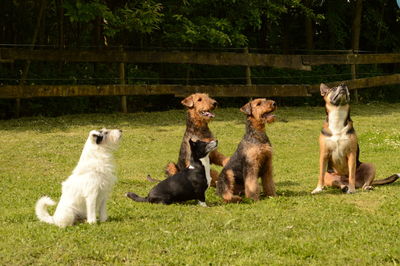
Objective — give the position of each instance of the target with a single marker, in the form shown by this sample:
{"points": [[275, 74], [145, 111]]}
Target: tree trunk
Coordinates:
{"points": [[60, 24], [355, 41], [263, 43], [28, 63], [356, 27], [285, 34], [309, 29], [34, 38], [378, 35], [60, 12]]}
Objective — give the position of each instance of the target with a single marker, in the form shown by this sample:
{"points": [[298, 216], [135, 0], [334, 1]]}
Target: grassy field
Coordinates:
{"points": [[37, 154]]}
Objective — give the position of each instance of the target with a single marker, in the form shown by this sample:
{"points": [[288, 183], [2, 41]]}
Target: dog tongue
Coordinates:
{"points": [[270, 118], [208, 114]]}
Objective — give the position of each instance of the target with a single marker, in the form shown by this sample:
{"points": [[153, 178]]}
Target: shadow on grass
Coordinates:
{"points": [[117, 219], [287, 183], [290, 193]]}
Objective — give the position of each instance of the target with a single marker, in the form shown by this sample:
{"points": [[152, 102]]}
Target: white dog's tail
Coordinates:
{"points": [[41, 209]]}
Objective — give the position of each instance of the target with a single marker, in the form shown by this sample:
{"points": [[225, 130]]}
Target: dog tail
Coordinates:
{"points": [[135, 197], [149, 178], [387, 180], [171, 169], [41, 209]]}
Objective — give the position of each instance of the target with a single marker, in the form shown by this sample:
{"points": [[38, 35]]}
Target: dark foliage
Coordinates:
{"points": [[276, 26]]}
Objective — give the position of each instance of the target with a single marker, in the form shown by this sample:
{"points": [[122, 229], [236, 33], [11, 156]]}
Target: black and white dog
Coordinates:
{"points": [[189, 184]]}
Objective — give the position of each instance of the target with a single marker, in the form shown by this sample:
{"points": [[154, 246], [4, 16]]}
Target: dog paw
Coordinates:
{"points": [[368, 188], [91, 220], [234, 199], [351, 191], [317, 190], [103, 218], [202, 204]]}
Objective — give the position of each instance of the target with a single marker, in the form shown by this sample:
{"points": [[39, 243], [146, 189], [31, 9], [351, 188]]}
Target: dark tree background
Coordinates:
{"points": [[264, 26]]}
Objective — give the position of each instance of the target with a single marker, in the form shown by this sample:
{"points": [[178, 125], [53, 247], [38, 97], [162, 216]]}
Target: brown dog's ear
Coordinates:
{"points": [[323, 89], [246, 109], [188, 101]]}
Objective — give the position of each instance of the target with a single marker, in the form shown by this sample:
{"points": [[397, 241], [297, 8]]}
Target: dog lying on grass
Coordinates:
{"points": [[188, 184], [85, 192]]}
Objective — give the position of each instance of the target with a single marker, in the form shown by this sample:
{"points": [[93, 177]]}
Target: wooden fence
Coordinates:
{"points": [[31, 91], [245, 59]]}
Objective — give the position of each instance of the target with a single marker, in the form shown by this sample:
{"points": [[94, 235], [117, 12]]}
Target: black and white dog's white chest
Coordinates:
{"points": [[206, 166]]}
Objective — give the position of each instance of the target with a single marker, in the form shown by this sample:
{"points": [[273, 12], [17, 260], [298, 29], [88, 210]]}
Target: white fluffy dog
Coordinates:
{"points": [[85, 192]]}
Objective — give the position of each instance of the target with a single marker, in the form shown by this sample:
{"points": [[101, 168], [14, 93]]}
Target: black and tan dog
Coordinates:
{"points": [[252, 158], [199, 113], [339, 151]]}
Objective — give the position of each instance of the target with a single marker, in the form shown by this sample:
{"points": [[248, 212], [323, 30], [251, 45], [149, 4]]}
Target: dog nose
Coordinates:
{"points": [[215, 103], [120, 131], [273, 104]]}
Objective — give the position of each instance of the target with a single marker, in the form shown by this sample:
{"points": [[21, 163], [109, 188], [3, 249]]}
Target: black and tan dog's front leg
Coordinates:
{"points": [[226, 186], [267, 179], [218, 158], [323, 167], [251, 187]]}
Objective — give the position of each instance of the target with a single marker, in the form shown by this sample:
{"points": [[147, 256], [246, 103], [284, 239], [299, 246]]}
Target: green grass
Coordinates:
{"points": [[37, 154]]}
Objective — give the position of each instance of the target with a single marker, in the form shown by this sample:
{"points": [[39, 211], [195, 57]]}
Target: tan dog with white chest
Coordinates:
{"points": [[339, 151]]}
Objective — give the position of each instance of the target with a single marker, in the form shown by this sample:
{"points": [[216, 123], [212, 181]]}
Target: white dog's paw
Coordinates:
{"points": [[103, 218], [368, 188], [351, 191], [317, 190], [203, 204], [91, 221]]}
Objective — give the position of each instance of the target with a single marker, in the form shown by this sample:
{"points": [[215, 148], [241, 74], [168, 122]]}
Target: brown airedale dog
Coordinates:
{"points": [[199, 113], [252, 158]]}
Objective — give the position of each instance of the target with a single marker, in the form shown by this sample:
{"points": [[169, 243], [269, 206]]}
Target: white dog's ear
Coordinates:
{"points": [[98, 137]]}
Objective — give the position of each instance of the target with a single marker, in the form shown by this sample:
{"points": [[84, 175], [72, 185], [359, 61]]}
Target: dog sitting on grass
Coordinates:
{"points": [[252, 158], [85, 192], [339, 163], [199, 113], [188, 184]]}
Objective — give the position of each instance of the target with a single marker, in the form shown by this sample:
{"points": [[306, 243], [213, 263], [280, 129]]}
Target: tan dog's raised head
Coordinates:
{"points": [[337, 96], [200, 106], [260, 109]]}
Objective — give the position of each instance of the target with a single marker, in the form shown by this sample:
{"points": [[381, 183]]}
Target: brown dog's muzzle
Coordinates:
{"points": [[268, 116]]}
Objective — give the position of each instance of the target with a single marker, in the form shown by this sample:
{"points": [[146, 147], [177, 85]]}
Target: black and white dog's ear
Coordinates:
{"points": [[191, 142], [246, 109], [98, 137], [324, 89]]}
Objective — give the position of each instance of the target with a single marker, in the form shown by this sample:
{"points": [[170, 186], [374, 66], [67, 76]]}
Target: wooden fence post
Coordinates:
{"points": [[122, 81], [248, 70]]}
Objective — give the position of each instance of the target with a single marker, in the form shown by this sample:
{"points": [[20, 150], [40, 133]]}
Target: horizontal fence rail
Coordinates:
{"points": [[287, 90], [299, 62], [178, 57]]}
